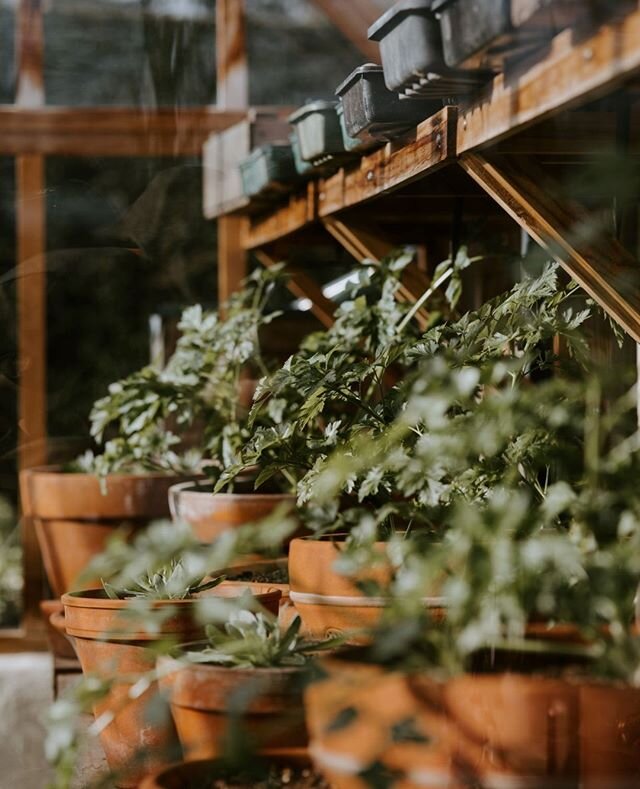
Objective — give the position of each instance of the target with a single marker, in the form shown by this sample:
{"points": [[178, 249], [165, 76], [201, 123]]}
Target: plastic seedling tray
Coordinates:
{"points": [[304, 169], [269, 169], [353, 144], [412, 54], [374, 113], [483, 31], [319, 134]]}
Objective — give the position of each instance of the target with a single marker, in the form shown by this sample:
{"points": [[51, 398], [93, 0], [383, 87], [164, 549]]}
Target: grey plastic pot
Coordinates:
{"points": [[353, 144], [412, 55], [373, 112], [270, 169], [471, 28], [319, 135], [304, 169]]}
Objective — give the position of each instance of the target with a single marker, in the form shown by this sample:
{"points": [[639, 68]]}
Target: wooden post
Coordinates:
{"points": [[232, 93], [31, 295]]}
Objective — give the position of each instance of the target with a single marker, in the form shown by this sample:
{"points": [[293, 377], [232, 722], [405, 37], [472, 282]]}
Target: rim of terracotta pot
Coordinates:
{"points": [[105, 610], [193, 490], [57, 471], [173, 777]]}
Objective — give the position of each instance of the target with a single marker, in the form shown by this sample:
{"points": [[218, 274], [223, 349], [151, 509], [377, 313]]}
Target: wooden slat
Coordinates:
{"points": [[428, 147], [110, 131], [599, 263], [232, 88], [304, 287], [365, 244], [299, 211], [576, 69], [353, 18], [32, 360]]}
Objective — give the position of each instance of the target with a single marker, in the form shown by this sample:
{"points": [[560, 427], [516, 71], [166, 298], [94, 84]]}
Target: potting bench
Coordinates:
{"points": [[550, 107]]}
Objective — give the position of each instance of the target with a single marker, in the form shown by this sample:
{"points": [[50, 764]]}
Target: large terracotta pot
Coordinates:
{"points": [[204, 697], [494, 731], [204, 774], [330, 603], [210, 514], [140, 736], [74, 516], [360, 716]]}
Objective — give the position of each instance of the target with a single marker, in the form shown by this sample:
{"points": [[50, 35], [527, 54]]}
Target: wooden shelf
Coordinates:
{"points": [[578, 66], [110, 131]]}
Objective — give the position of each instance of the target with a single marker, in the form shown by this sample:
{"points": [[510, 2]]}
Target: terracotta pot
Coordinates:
{"points": [[203, 698], [503, 730], [360, 715], [141, 736], [74, 517], [201, 774], [53, 614], [210, 514], [329, 603], [287, 613]]}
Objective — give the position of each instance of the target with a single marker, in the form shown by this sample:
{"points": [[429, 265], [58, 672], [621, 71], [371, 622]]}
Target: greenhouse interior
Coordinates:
{"points": [[320, 394]]}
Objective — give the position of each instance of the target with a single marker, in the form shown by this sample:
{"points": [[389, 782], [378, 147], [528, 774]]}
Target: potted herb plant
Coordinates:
{"points": [[244, 682], [155, 595], [144, 424]]}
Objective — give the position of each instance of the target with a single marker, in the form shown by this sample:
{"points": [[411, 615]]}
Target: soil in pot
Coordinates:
{"points": [[141, 736], [74, 516], [294, 772], [331, 604], [210, 704], [210, 514]]}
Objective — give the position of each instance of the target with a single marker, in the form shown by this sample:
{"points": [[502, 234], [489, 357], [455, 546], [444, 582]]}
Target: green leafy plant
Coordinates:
{"points": [[144, 419], [340, 379], [251, 639], [170, 582]]}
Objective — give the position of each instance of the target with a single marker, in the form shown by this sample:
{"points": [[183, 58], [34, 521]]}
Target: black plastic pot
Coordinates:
{"points": [[353, 144], [374, 113], [317, 127], [412, 54], [270, 169], [478, 32]]}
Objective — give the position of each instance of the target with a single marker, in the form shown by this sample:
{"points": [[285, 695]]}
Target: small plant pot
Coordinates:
{"points": [[481, 32], [205, 700], [373, 113], [293, 771], [268, 171], [53, 613], [116, 646], [74, 515], [330, 603], [353, 144], [412, 54], [211, 514], [319, 135]]}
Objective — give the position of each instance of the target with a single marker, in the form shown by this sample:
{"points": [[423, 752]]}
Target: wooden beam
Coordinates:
{"points": [[303, 287], [598, 262], [32, 358], [353, 19], [579, 66], [29, 54], [232, 93], [232, 78], [363, 245], [232, 258], [110, 131]]}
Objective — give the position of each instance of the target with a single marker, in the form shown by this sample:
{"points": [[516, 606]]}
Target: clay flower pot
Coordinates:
{"points": [[210, 514], [53, 614], [488, 730], [74, 517], [329, 603], [199, 774], [140, 736], [360, 715], [203, 698]]}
